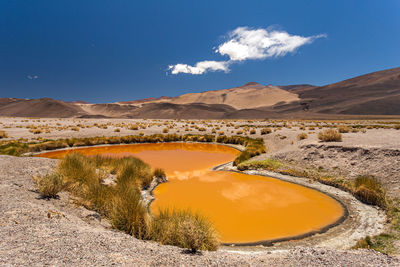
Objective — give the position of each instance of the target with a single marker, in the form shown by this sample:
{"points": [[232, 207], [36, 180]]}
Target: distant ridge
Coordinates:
{"points": [[376, 93], [252, 85], [371, 94]]}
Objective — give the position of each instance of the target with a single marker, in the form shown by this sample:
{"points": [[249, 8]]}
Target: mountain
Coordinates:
{"points": [[376, 94], [371, 94], [43, 107], [250, 95]]}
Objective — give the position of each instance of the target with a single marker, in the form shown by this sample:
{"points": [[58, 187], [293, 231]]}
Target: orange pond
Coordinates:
{"points": [[243, 208]]}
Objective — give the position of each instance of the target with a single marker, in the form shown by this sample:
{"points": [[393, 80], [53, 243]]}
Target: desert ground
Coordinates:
{"points": [[57, 232]]}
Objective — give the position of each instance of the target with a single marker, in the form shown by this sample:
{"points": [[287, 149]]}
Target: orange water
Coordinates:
{"points": [[243, 208]]}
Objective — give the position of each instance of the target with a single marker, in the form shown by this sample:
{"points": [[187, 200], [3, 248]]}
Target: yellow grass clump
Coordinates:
{"points": [[49, 185], [3, 134], [184, 229], [330, 135], [302, 136], [266, 131], [369, 190]]}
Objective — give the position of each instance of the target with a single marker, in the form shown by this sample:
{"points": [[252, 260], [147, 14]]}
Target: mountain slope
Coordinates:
{"points": [[370, 94], [376, 93], [43, 107], [250, 95]]}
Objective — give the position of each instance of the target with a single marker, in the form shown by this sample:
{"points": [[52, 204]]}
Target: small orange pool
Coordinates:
{"points": [[244, 208]]}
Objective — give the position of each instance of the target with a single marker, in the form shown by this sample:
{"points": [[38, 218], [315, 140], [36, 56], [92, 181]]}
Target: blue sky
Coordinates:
{"points": [[106, 51]]}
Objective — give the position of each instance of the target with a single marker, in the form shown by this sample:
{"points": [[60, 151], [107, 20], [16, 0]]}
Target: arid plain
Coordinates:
{"points": [[294, 153]]}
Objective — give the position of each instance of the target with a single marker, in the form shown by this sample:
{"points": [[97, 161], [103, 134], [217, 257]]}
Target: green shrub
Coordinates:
{"points": [[184, 229], [49, 185], [330, 135]]}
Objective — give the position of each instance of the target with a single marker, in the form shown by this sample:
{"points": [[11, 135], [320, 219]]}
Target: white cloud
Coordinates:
{"points": [[244, 44], [200, 68], [247, 44], [32, 77]]}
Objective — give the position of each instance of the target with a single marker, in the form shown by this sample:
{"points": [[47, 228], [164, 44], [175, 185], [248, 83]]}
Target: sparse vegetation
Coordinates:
{"points": [[129, 214], [254, 147], [184, 229], [302, 136], [343, 129], [3, 134], [49, 185], [369, 190], [386, 241], [267, 164], [266, 131], [330, 135], [122, 204], [36, 131]]}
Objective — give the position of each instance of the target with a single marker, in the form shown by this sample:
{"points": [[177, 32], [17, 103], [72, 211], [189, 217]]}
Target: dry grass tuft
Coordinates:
{"points": [[267, 164], [184, 229], [3, 134], [369, 190], [330, 135], [159, 173], [343, 129], [49, 185], [302, 136], [128, 213], [266, 131]]}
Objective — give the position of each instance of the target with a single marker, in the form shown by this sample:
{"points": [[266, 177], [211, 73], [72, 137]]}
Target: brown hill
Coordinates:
{"points": [[371, 94], [43, 107], [250, 95], [376, 93], [182, 111], [5, 101]]}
